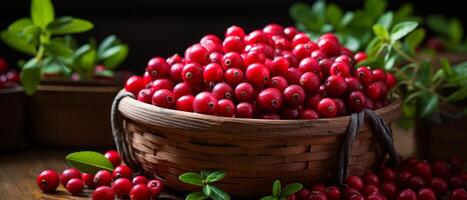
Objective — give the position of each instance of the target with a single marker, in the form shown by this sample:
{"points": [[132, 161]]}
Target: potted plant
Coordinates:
{"points": [[71, 88]]}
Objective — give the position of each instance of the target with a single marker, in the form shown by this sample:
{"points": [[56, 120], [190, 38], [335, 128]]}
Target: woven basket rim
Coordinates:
{"points": [[157, 117]]}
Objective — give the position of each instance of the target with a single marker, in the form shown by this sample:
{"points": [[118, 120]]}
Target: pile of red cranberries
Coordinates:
{"points": [[107, 185], [274, 73], [8, 78], [413, 180]]}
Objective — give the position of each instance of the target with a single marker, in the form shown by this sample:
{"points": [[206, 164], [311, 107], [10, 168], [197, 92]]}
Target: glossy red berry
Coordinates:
{"points": [[75, 186], [423, 170], [318, 54], [103, 193], [174, 59], [278, 82], [360, 56], [302, 50], [122, 187], [182, 89], [369, 190], [426, 194], [175, 72], [233, 44], [456, 164], [48, 180], [197, 53], [365, 75], [317, 195], [379, 75], [391, 80], [389, 189], [309, 114], [255, 37], [309, 65], [216, 57], [257, 74], [235, 31], [155, 187], [279, 66], [223, 91], [407, 194], [344, 59], [300, 38], [185, 103], [210, 38], [325, 66], [244, 110], [192, 73], [294, 95], [326, 108], [273, 29], [88, 180], [355, 182], [335, 86], [232, 60], [333, 193], [370, 178], [293, 76], [439, 185], [234, 76], [415, 183], [139, 179], [158, 68], [134, 84], [329, 36], [13, 76], [205, 103], [340, 107], [456, 182], [269, 99], [328, 46], [147, 78], [377, 91], [145, 95], [340, 69], [356, 101], [353, 84], [113, 157], [312, 101], [310, 82], [244, 92], [290, 32], [163, 98], [254, 57], [225, 108], [122, 171], [102, 178], [162, 83], [293, 61], [213, 73], [458, 194], [68, 174], [388, 174]]}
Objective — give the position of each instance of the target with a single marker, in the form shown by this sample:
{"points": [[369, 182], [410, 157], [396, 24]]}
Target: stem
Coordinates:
{"points": [[407, 57]]}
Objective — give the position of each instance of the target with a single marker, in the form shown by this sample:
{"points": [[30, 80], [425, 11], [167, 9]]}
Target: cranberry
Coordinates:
{"points": [[329, 36], [309, 65], [225, 108], [309, 114], [244, 92], [335, 86], [317, 195], [271, 116], [75, 186], [102, 178], [423, 170], [147, 78], [174, 59], [122, 171], [348, 192], [244, 110], [216, 57], [388, 174], [278, 82], [345, 51], [163, 98], [344, 59], [279, 66], [282, 44], [233, 44], [255, 37], [192, 73], [310, 82], [254, 57], [290, 32], [389, 189], [3, 65], [426, 194], [356, 101], [415, 183], [403, 177], [302, 50], [407, 194], [353, 84], [88, 180], [185, 103], [175, 72], [312, 102], [333, 193], [328, 46], [222, 91], [294, 95], [293, 76], [139, 179], [122, 187], [318, 187], [293, 61], [210, 38], [213, 73], [377, 90], [134, 84], [340, 69], [47, 180], [391, 80], [205, 103], [340, 107], [300, 38], [145, 95], [113, 157], [376, 197], [356, 197], [140, 192], [370, 189], [269, 99], [232, 60], [273, 29], [365, 75], [371, 179], [181, 89], [235, 31], [325, 66], [456, 182], [302, 194], [326, 108], [439, 185], [257, 74], [211, 46], [13, 76], [234, 76], [379, 75], [458, 194], [354, 182], [155, 187], [360, 56], [68, 174], [103, 193], [158, 68], [292, 197], [456, 164], [197, 53], [162, 83]]}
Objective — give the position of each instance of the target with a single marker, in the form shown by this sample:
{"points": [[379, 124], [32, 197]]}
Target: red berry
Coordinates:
{"points": [[360, 56], [162, 83], [176, 72], [232, 60], [122, 171], [326, 108], [302, 50], [225, 108], [211, 46], [415, 183], [376, 197], [269, 99], [294, 95], [456, 164], [426, 194], [113, 157], [302, 194], [174, 59], [344, 59], [318, 54], [255, 37], [3, 66], [75, 186], [198, 54], [279, 66], [244, 92], [122, 187], [340, 69], [333, 193], [155, 187], [371, 179], [300, 38], [210, 38], [244, 110], [213, 73], [329, 36], [222, 91], [439, 185], [88, 180], [158, 68], [185, 103], [278, 82], [293, 76], [235, 31], [68, 174], [163, 98], [340, 107], [205, 103], [325, 66], [318, 187], [365, 75], [328, 46], [317, 195], [134, 84], [349, 192], [377, 91], [273, 29], [292, 197], [389, 189], [458, 194], [103, 193], [353, 84], [407, 194], [181, 89], [356, 101], [192, 73], [257, 74], [234, 76], [356, 197], [293, 61], [379, 75], [312, 102], [145, 95], [290, 32], [13, 76], [335, 86], [403, 177], [309, 65], [233, 44], [423, 170], [47, 180], [147, 78], [456, 182], [282, 43], [355, 182], [254, 57], [139, 179], [391, 80], [369, 190], [388, 174], [102, 178], [309, 114]]}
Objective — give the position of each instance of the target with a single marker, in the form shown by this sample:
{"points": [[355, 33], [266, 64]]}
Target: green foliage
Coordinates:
{"points": [[205, 180], [450, 31], [89, 161], [281, 194]]}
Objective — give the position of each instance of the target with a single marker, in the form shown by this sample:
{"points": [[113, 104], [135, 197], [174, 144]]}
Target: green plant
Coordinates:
{"points": [[205, 180], [281, 194], [89, 161], [450, 31]]}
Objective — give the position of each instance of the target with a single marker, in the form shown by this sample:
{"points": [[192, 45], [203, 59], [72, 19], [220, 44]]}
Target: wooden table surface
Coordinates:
{"points": [[18, 171]]}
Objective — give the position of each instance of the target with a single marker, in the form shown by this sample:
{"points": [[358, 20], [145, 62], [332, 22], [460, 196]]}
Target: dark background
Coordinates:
{"points": [[154, 27]]}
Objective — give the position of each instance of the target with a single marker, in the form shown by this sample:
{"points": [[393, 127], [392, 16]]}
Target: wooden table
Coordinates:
{"points": [[18, 171]]}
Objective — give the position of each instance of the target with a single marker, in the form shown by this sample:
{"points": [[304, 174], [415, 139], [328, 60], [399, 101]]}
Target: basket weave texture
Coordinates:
{"points": [[253, 152]]}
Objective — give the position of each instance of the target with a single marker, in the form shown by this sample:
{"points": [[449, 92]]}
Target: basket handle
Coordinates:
{"points": [[383, 134], [119, 133]]}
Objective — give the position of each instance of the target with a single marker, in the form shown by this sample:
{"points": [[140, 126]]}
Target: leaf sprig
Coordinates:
{"points": [[281, 194], [205, 180]]}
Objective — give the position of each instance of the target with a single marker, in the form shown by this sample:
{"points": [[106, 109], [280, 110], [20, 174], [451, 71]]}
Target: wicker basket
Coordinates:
{"points": [[253, 152]]}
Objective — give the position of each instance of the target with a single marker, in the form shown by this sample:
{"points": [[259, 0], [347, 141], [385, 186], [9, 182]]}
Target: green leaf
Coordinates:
{"points": [[334, 14], [69, 25], [390, 62], [347, 18], [42, 12], [67, 40], [404, 12], [291, 189], [107, 43], [18, 42], [204, 174], [105, 73], [218, 194], [196, 196], [374, 7], [32, 34], [20, 24], [402, 29], [428, 104], [269, 198], [191, 178], [31, 76], [381, 32], [276, 188], [460, 68], [423, 74], [446, 67], [456, 31], [58, 49], [87, 61], [415, 38], [458, 95], [215, 176], [206, 190], [115, 56], [89, 161], [386, 20], [438, 24]]}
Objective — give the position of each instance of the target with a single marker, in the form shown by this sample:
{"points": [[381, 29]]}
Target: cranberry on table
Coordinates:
{"points": [[122, 187], [156, 187], [48, 180], [102, 178], [103, 193], [140, 192], [68, 174], [88, 180], [122, 171], [75, 186], [139, 179]]}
